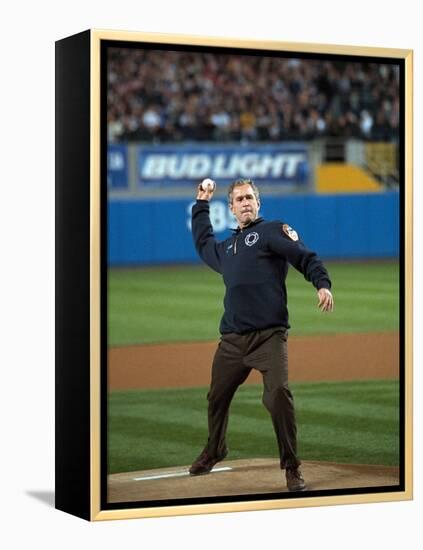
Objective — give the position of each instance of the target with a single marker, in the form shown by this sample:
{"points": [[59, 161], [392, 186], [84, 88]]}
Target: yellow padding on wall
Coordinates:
{"points": [[337, 177]]}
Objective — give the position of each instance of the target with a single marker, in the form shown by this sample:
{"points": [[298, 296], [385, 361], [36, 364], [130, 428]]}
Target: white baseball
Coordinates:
{"points": [[208, 185]]}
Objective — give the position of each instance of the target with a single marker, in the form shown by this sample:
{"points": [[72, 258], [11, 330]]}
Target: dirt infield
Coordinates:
{"points": [[311, 358], [243, 477]]}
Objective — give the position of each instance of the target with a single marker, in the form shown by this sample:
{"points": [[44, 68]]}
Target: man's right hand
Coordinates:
{"points": [[204, 195]]}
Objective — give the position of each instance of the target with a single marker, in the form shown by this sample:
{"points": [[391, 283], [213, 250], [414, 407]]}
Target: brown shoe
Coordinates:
{"points": [[204, 463], [294, 479]]}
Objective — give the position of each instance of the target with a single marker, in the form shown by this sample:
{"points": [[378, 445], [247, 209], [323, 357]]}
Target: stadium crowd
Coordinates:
{"points": [[164, 96]]}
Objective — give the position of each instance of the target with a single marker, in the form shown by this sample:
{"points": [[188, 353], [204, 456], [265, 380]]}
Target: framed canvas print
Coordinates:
{"points": [[233, 275]]}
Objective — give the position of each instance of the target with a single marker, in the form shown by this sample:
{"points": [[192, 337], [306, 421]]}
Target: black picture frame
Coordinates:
{"points": [[81, 278]]}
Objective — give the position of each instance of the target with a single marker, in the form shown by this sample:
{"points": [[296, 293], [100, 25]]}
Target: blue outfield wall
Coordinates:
{"points": [[146, 232]]}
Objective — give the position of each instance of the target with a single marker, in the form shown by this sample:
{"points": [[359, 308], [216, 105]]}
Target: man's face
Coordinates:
{"points": [[244, 205]]}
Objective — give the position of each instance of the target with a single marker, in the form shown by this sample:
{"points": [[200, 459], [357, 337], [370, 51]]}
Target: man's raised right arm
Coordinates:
{"points": [[202, 231]]}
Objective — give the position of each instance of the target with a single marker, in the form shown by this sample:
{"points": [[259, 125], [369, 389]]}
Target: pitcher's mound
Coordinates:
{"points": [[243, 477]]}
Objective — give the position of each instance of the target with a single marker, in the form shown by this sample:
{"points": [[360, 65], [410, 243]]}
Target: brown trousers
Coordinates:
{"points": [[265, 351]]}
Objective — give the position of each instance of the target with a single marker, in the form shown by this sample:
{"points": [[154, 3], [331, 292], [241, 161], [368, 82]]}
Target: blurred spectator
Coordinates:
{"points": [[174, 96]]}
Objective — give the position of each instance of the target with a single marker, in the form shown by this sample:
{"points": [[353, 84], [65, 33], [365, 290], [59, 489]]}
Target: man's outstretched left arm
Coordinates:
{"points": [[285, 243]]}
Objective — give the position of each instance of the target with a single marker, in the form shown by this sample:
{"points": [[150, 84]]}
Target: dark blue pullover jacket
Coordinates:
{"points": [[254, 265]]}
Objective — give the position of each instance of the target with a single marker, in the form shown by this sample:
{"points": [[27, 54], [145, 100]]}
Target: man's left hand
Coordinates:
{"points": [[325, 300]]}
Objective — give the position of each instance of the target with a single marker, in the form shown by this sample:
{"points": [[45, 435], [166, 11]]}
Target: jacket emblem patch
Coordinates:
{"points": [[292, 234], [251, 239]]}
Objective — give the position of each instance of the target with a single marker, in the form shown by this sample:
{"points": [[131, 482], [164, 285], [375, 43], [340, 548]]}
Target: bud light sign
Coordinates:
{"points": [[164, 165]]}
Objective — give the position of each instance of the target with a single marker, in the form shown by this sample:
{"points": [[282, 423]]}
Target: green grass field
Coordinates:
{"points": [[350, 422], [175, 304], [338, 422]]}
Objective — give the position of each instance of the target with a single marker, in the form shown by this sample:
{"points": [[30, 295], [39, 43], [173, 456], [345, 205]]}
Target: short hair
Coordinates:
{"points": [[240, 182]]}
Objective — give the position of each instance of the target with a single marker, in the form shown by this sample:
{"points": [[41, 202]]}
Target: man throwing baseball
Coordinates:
{"points": [[254, 328]]}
